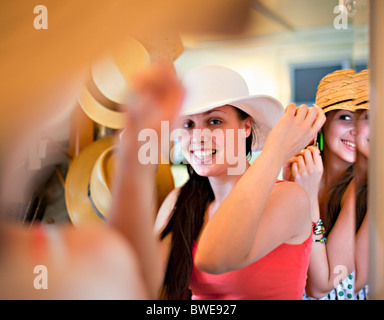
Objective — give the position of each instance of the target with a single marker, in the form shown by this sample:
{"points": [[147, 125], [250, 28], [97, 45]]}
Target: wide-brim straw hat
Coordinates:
{"points": [[336, 91], [110, 83], [89, 179], [362, 90], [209, 87]]}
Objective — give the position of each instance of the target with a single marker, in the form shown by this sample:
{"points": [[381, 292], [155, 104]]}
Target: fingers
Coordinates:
{"points": [[291, 109], [295, 170], [317, 160], [319, 120], [157, 96], [313, 117], [308, 159], [301, 165], [301, 112], [306, 162]]}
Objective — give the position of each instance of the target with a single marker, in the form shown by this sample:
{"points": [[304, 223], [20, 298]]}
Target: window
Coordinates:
{"points": [[306, 77]]}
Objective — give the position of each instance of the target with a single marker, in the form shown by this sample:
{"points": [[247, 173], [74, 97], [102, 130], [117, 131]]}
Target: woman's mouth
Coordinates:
{"points": [[204, 156], [349, 144]]}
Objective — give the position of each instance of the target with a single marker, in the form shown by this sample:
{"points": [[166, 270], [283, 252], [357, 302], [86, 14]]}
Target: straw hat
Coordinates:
{"points": [[362, 90], [89, 179], [110, 83], [337, 91], [209, 87]]}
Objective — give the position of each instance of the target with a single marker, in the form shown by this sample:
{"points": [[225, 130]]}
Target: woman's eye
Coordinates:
{"points": [[345, 117], [188, 124], [215, 121]]}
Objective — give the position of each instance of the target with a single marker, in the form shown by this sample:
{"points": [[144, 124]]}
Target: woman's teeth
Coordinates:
{"points": [[204, 154], [349, 143]]}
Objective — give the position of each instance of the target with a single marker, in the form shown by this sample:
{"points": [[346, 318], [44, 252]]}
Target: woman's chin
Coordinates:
{"points": [[208, 170]]}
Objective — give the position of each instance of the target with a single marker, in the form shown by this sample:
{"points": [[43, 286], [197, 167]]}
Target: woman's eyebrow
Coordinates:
{"points": [[212, 111]]}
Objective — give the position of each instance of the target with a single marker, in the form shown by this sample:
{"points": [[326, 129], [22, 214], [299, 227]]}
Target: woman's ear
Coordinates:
{"points": [[248, 126]]}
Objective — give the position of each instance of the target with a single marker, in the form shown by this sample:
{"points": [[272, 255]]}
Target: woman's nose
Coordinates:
{"points": [[201, 135]]}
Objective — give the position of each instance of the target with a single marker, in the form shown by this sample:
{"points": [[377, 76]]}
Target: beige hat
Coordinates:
{"points": [[110, 83], [89, 179], [209, 87], [362, 90], [337, 91]]}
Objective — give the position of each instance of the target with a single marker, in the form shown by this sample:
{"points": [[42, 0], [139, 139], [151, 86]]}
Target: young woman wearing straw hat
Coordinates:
{"points": [[243, 235], [329, 180]]}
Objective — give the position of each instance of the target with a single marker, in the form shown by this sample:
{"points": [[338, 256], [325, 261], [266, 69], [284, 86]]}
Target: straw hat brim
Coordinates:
{"points": [[349, 106], [363, 106], [265, 110], [99, 113], [79, 208]]}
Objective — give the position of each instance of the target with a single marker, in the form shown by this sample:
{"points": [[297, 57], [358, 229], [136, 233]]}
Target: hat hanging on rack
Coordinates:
{"points": [[110, 83], [89, 179]]}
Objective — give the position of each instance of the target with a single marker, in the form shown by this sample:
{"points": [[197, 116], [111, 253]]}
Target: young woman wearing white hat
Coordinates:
{"points": [[240, 236]]}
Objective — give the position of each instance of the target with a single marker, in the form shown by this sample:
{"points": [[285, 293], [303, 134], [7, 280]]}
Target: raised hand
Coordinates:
{"points": [[295, 130], [307, 170], [158, 97]]}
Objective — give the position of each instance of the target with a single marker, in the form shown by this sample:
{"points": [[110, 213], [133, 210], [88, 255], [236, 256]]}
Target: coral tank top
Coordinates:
{"points": [[279, 275]]}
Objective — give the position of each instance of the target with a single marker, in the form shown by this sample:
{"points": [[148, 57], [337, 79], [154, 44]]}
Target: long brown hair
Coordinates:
{"points": [[335, 196], [185, 226], [361, 204]]}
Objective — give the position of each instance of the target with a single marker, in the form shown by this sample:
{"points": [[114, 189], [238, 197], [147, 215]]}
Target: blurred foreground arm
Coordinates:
{"points": [[133, 211]]}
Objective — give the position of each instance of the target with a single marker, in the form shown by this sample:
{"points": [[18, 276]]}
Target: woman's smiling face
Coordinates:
{"points": [[214, 142], [340, 134]]}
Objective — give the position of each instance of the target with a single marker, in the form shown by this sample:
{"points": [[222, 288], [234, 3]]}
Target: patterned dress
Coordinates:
{"points": [[344, 291]]}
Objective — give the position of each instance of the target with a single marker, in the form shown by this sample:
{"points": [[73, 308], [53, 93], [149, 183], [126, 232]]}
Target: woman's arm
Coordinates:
{"points": [[362, 255], [132, 211], [333, 261], [240, 214]]}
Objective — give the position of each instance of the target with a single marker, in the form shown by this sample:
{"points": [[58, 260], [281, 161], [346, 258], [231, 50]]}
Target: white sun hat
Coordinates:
{"points": [[209, 87]]}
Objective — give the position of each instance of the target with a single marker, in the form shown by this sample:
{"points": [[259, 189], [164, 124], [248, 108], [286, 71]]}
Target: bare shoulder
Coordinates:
{"points": [[290, 200], [166, 209], [290, 192], [349, 195]]}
